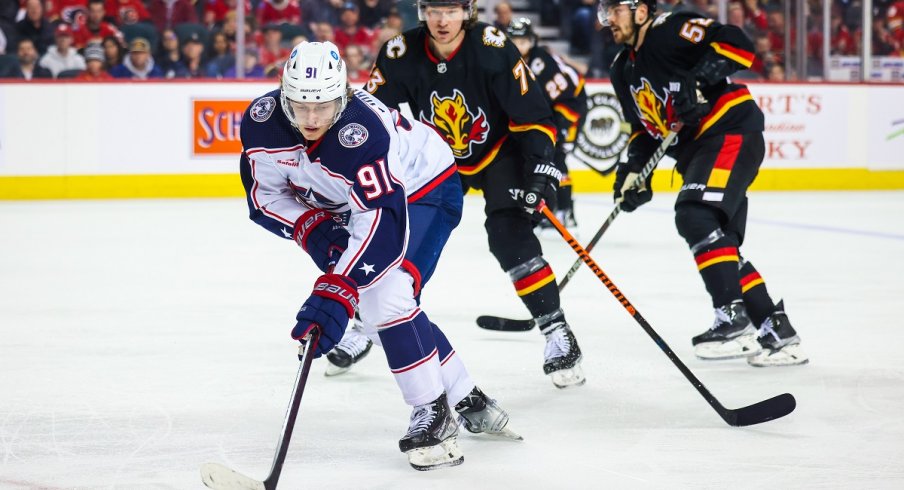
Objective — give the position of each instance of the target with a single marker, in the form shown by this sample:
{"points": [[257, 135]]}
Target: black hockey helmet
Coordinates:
{"points": [[521, 28], [470, 7], [632, 4]]}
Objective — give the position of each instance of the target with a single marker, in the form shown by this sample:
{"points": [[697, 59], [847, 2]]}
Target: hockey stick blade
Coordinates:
{"points": [[764, 411], [219, 477], [500, 324]]}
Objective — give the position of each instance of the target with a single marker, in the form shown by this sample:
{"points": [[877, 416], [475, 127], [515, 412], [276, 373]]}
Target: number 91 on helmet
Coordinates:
{"points": [[314, 88]]}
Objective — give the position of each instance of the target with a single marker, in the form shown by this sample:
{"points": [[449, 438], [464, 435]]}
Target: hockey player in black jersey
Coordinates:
{"points": [[563, 87], [466, 80], [673, 72]]}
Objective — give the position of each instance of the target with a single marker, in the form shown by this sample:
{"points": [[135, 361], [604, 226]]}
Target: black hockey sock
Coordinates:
{"points": [[756, 298], [535, 283], [718, 266]]}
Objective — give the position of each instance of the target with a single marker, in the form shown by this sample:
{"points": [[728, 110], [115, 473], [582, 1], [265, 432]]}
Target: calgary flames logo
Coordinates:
{"points": [[455, 123], [655, 112]]}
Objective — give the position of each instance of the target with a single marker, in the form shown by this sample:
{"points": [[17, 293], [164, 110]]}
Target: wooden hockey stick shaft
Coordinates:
{"points": [[763, 411]]}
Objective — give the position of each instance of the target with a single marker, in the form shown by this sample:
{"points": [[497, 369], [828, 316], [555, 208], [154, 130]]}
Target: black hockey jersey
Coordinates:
{"points": [[563, 87], [673, 45], [482, 100]]}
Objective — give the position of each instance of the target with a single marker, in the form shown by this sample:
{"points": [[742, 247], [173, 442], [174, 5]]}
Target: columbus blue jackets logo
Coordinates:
{"points": [[458, 126], [263, 109], [352, 135]]}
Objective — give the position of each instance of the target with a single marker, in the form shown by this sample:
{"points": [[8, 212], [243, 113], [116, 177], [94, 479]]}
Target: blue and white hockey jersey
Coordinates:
{"points": [[366, 169]]}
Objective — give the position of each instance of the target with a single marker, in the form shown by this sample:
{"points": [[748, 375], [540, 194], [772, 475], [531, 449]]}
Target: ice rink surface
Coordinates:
{"points": [[140, 339]]}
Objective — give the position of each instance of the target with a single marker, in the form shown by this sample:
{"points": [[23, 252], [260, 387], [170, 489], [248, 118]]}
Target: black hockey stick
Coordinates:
{"points": [[220, 477], [490, 322], [764, 411]]}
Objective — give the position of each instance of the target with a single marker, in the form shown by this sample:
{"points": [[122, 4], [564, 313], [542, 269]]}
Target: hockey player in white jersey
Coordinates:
{"points": [[372, 197]]}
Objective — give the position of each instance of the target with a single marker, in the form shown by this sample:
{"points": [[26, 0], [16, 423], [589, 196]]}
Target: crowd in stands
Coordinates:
{"points": [[763, 21], [147, 39], [152, 39]]}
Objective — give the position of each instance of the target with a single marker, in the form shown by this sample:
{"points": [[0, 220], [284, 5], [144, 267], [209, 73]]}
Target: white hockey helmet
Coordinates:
{"points": [[314, 73]]}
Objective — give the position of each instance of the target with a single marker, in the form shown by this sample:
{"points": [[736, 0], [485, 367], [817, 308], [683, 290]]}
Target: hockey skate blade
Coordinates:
{"points": [[743, 346], [566, 378], [506, 433], [219, 477], [334, 370], [790, 355], [444, 454]]}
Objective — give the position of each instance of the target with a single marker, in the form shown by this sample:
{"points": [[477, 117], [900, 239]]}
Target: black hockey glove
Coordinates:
{"points": [[689, 104], [626, 193], [542, 185]]}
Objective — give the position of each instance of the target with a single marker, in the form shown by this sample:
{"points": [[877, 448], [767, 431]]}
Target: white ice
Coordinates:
{"points": [[140, 339]]}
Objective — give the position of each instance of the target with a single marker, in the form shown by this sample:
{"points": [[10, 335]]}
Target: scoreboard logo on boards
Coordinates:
{"points": [[215, 126]]}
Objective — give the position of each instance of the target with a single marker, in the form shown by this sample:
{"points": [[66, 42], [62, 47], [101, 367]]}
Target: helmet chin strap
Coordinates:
{"points": [[637, 28]]}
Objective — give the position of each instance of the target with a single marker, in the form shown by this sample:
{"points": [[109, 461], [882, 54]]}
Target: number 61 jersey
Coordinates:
{"points": [[364, 170]]}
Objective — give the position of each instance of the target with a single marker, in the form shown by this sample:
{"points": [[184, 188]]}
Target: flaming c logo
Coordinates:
{"points": [[655, 112], [456, 124]]}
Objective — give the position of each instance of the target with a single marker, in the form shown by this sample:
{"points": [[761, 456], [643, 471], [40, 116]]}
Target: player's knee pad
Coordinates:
{"points": [[511, 237], [386, 301], [699, 224]]}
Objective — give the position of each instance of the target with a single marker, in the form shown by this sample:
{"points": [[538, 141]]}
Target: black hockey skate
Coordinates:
{"points": [[731, 336], [780, 343], [562, 356], [478, 413], [431, 441], [351, 349]]}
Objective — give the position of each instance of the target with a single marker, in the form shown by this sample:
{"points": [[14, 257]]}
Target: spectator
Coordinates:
{"points": [[583, 20], [323, 32], [323, 10], [139, 64], [841, 40], [94, 28], [8, 11], [737, 16], [169, 55], [273, 54], [895, 17], [763, 55], [393, 21], [278, 12], [503, 11], [351, 31], [215, 11], [28, 61], [35, 27], [94, 61], [253, 69], [356, 63], [755, 16], [374, 12], [776, 73], [128, 11], [67, 11], [221, 57], [62, 56], [193, 57], [165, 14], [113, 52]]}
